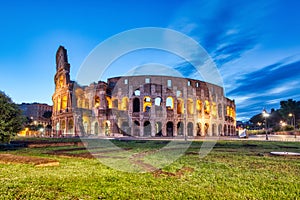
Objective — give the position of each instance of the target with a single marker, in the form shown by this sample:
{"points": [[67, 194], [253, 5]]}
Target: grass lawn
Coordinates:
{"points": [[232, 170]]}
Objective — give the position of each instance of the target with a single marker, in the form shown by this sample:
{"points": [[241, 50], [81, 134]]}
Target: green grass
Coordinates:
{"points": [[232, 170]]}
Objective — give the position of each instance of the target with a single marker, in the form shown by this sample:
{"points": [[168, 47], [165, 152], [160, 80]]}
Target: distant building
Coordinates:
{"points": [[35, 112], [139, 106]]}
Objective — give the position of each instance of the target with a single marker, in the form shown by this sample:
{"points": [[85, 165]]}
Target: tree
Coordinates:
{"points": [[290, 107], [257, 119], [11, 118]]}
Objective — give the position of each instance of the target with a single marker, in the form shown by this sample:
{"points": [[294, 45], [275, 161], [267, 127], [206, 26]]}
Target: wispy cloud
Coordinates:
{"points": [[229, 32]]}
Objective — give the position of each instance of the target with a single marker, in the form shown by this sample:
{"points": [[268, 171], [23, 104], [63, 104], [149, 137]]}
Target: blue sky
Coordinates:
{"points": [[255, 44]]}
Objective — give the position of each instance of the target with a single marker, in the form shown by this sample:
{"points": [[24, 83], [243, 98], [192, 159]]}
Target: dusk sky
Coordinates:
{"points": [[255, 44]]}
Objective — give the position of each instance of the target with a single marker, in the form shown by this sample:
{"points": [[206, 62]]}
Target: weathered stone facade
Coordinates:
{"points": [[139, 106]]}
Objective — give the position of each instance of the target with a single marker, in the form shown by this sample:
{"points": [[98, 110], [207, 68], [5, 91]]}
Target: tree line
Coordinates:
{"points": [[286, 118]]}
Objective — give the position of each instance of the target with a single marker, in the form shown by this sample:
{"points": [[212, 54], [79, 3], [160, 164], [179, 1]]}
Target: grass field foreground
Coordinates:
{"points": [[232, 170]]}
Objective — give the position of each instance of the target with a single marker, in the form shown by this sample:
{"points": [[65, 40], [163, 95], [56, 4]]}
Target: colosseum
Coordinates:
{"points": [[141, 106]]}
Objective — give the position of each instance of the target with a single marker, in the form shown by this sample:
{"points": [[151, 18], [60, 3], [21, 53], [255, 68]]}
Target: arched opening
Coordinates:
{"points": [[115, 103], [220, 130], [136, 128], [199, 129], [170, 129], [206, 108], [199, 106], [96, 101], [136, 105], [158, 127], [137, 92], [125, 128], [214, 129], [190, 128], [85, 127], [58, 104], [214, 110], [147, 128], [147, 104], [95, 128], [57, 126], [180, 106], [206, 127], [70, 126], [232, 130], [63, 126], [109, 102], [170, 103], [124, 104], [107, 128], [190, 106], [225, 129], [180, 128], [64, 102], [158, 101]]}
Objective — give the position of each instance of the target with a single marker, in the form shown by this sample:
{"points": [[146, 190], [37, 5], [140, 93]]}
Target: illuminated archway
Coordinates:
{"points": [[147, 104], [180, 106], [96, 101], [190, 106], [170, 103], [206, 107], [124, 104]]}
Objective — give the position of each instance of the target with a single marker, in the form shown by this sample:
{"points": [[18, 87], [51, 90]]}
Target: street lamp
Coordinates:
{"points": [[294, 122], [266, 115]]}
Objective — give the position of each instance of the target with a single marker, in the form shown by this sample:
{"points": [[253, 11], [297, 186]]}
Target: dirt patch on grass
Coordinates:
{"points": [[96, 153], [36, 161], [178, 174]]}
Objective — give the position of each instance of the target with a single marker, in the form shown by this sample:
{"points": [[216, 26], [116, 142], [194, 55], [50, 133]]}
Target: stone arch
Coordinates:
{"points": [[136, 105], [170, 129], [115, 103], [63, 126], [199, 133], [232, 130], [124, 103], [170, 103], [147, 128], [137, 92], [136, 128], [220, 130], [180, 128], [214, 129], [70, 126], [96, 101], [158, 101], [225, 129], [180, 106], [206, 128], [207, 107], [147, 104], [158, 129], [108, 102], [107, 128], [190, 129], [95, 128], [190, 106]]}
